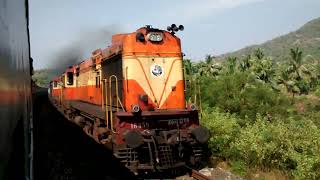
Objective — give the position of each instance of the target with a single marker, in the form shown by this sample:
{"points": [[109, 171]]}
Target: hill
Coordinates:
{"points": [[307, 38]]}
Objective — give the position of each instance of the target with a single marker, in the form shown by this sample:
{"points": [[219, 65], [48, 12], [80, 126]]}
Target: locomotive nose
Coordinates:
{"points": [[201, 134]]}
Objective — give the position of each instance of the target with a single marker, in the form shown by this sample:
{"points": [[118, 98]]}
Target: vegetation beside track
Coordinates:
{"points": [[262, 115]]}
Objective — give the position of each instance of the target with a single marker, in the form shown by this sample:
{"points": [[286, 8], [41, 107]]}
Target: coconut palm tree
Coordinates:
{"points": [[259, 54], [245, 63], [264, 70], [296, 61], [188, 66], [231, 65], [298, 76], [208, 67], [209, 59]]}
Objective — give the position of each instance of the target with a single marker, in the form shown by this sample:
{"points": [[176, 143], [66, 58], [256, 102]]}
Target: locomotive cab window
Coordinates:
{"points": [[55, 84], [69, 78]]}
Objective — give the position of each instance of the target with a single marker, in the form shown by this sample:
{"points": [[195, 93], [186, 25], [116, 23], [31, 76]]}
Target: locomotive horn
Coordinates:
{"points": [[181, 27], [174, 27]]}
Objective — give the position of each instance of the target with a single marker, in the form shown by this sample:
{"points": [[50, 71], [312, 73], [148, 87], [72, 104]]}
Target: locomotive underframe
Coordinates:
{"points": [[162, 148], [155, 157]]}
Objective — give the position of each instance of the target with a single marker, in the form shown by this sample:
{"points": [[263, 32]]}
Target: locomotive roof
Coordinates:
{"points": [[127, 44]]}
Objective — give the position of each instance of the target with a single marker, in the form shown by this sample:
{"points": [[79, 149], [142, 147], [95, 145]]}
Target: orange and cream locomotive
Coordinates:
{"points": [[131, 98]]}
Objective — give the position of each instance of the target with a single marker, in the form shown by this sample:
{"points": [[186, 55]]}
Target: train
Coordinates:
{"points": [[16, 149], [131, 97]]}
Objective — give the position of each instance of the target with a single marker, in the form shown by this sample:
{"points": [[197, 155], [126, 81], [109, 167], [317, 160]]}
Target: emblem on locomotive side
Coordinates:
{"points": [[156, 70]]}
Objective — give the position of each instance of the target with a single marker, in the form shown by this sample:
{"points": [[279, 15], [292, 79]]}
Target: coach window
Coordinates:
{"points": [[70, 78]]}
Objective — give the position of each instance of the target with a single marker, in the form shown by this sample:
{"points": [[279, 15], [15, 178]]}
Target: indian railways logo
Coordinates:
{"points": [[156, 70]]}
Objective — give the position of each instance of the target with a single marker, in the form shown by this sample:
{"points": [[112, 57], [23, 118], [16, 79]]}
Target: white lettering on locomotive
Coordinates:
{"points": [[140, 125], [180, 121]]}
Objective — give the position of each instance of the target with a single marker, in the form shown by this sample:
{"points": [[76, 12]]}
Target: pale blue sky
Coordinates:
{"points": [[211, 26]]}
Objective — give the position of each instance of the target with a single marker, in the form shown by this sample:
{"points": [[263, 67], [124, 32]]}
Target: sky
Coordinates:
{"points": [[214, 27]]}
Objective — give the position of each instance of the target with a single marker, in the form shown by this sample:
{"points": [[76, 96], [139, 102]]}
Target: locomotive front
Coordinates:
{"points": [[158, 130]]}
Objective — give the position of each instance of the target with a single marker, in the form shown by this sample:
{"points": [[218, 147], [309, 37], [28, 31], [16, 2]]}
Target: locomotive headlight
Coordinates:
{"points": [[155, 36]]}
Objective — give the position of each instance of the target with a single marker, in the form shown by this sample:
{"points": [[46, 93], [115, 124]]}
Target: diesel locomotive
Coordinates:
{"points": [[130, 97]]}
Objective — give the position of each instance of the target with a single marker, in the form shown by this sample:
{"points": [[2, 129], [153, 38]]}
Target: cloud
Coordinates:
{"points": [[192, 9]]}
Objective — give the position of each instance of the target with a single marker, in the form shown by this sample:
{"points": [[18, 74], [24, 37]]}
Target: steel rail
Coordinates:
{"points": [[197, 175]]}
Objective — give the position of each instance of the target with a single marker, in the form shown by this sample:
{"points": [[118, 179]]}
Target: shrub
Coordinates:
{"points": [[317, 91], [223, 128], [243, 95], [288, 145]]}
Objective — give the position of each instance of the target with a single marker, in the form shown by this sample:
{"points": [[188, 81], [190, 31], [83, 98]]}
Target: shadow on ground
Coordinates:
{"points": [[62, 151]]}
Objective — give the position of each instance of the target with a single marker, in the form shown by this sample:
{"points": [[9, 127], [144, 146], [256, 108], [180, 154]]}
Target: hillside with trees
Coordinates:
{"points": [[307, 38], [262, 105]]}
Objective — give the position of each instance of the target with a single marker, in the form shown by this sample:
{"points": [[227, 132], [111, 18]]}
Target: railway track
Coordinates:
{"points": [[196, 174]]}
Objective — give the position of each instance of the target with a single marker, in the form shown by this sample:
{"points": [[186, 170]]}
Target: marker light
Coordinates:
{"points": [[174, 27], [135, 108], [193, 107]]}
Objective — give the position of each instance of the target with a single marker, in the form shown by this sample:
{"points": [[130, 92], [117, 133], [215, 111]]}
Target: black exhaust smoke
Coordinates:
{"points": [[81, 47]]}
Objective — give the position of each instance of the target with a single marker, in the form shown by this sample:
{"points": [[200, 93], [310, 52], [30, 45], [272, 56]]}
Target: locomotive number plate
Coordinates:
{"points": [[181, 121]]}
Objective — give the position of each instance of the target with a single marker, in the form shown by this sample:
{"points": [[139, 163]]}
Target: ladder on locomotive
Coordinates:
{"points": [[107, 100]]}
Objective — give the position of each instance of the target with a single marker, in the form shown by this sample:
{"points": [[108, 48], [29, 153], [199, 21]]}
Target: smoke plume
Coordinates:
{"points": [[81, 47]]}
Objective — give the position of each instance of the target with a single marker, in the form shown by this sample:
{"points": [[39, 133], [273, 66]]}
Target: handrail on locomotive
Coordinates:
{"points": [[109, 102], [195, 91]]}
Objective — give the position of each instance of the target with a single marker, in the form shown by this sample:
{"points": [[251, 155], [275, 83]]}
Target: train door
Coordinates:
{"points": [[69, 88], [112, 73], [98, 96]]}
